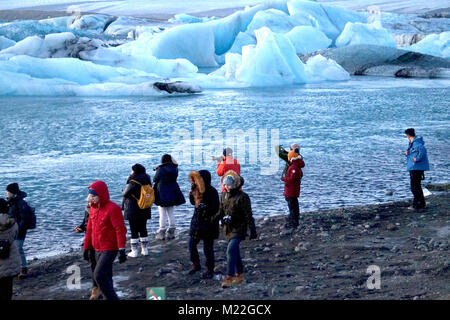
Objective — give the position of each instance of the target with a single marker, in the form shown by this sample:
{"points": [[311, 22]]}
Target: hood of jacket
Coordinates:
{"points": [[418, 140], [206, 175], [102, 190], [6, 222], [196, 178]]}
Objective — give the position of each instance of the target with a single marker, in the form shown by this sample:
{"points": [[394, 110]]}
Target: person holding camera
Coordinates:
{"points": [[106, 234], [416, 164], [225, 163], [235, 211], [292, 182], [206, 201], [9, 253]]}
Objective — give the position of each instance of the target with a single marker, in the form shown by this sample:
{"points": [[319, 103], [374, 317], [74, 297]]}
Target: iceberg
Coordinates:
{"points": [[307, 39], [362, 33], [320, 68], [242, 39], [434, 44], [330, 20], [276, 20], [6, 43], [92, 22]]}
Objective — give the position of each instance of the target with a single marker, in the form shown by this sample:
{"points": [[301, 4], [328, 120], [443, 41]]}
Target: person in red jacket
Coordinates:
{"points": [[227, 163], [106, 233], [292, 180]]}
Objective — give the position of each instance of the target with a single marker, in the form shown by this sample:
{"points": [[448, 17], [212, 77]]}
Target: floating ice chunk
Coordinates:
{"points": [[275, 20], [328, 19], [29, 46], [273, 61], [362, 33], [6, 43], [320, 68], [434, 44], [123, 26], [307, 39], [126, 58], [187, 18]]}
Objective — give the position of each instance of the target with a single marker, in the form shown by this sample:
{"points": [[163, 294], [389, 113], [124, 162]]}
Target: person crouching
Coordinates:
{"points": [[205, 198]]}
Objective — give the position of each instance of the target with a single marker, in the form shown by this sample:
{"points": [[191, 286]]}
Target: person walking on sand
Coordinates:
{"points": [[292, 182], [235, 212], [96, 293], [9, 253], [416, 164], [206, 201], [227, 163], [106, 233], [137, 217], [167, 196], [19, 210]]}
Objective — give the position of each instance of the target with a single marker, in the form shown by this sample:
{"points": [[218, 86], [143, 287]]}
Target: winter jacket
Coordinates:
{"points": [[106, 229], [293, 177], [416, 149], [206, 201], [283, 155], [236, 204], [228, 164], [18, 209], [131, 194], [167, 190], [84, 223], [9, 267]]}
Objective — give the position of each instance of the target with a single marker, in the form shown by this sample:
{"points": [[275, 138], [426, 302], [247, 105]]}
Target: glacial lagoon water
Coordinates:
{"points": [[351, 135]]}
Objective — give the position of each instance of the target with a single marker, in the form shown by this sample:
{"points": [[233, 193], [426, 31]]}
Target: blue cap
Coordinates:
{"points": [[229, 180], [92, 191]]}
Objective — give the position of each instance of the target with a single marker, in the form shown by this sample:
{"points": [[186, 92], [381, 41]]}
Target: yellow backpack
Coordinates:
{"points": [[147, 197]]}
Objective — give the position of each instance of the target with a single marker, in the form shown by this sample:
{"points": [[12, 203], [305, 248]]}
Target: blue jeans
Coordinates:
{"points": [[234, 261], [22, 253]]}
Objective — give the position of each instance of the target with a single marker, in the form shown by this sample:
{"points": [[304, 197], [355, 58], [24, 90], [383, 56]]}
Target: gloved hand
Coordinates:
{"points": [[122, 256], [86, 255]]}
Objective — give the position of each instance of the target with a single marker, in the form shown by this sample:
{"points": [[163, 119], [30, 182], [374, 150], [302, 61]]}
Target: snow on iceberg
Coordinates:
{"points": [[6, 43], [307, 39], [320, 68], [362, 33], [330, 20], [434, 44], [276, 20]]}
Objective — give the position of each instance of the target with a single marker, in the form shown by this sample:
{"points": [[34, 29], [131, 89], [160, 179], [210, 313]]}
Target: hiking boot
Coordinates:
{"points": [[23, 274], [228, 282], [170, 234], [95, 293], [134, 248], [144, 246], [161, 234], [194, 269], [238, 279], [208, 274]]}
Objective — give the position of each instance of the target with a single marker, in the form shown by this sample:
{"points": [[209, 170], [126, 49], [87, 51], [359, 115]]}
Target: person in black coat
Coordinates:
{"points": [[205, 198], [137, 217], [18, 208], [167, 195]]}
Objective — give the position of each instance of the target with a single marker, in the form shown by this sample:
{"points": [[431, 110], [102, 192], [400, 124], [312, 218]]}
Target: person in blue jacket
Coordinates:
{"points": [[416, 164]]}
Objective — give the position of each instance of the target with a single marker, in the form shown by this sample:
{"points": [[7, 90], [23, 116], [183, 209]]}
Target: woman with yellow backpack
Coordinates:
{"points": [[138, 197]]}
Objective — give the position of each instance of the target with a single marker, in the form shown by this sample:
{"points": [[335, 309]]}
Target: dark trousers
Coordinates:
{"points": [[294, 210], [6, 288], [208, 250], [93, 263], [234, 260], [103, 273], [138, 228], [416, 188]]}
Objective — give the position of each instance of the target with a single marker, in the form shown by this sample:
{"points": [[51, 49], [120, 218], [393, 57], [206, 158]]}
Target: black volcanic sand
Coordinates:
{"points": [[325, 258]]}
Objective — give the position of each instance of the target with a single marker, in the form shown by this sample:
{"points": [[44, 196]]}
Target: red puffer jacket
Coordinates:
{"points": [[106, 229], [292, 179], [228, 164]]}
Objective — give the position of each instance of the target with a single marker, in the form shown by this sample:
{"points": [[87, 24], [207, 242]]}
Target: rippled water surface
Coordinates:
{"points": [[351, 135]]}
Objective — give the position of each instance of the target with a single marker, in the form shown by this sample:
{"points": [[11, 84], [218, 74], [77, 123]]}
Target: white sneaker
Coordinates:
{"points": [[161, 234]]}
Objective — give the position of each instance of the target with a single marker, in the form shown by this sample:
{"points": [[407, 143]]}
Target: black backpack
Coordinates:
{"points": [[29, 217], [5, 247]]}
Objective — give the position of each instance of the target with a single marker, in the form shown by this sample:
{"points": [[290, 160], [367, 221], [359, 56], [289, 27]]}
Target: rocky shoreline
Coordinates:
{"points": [[325, 258]]}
